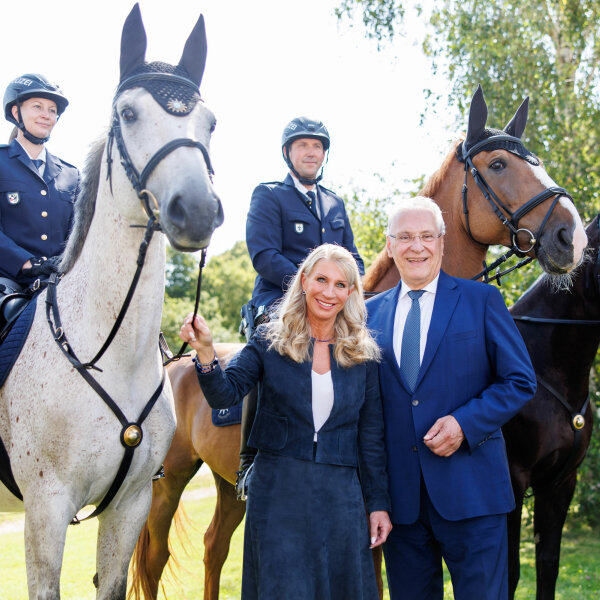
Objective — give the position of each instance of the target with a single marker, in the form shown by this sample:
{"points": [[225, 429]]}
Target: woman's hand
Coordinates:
{"points": [[380, 526], [198, 336]]}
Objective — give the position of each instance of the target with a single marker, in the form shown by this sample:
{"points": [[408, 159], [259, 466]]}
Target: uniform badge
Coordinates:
{"points": [[13, 197], [299, 227]]}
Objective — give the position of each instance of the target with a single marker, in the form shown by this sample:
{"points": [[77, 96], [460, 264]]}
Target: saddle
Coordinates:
{"points": [[13, 301]]}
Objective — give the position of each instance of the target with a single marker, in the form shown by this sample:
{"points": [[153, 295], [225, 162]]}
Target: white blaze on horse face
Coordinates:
{"points": [[579, 237]]}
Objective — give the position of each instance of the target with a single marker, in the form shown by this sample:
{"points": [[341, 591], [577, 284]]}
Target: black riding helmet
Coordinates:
{"points": [[303, 127], [31, 85]]}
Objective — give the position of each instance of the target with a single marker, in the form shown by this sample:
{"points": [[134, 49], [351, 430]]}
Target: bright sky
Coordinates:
{"points": [[268, 62]]}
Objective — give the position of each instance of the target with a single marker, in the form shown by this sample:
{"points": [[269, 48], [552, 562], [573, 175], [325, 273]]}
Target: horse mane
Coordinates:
{"points": [[85, 205], [383, 263]]}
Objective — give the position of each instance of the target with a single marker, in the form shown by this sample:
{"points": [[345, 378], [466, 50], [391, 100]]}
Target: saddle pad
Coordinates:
{"points": [[221, 417], [12, 345]]}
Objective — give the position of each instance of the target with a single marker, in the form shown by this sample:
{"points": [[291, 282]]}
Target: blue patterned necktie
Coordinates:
{"points": [[38, 162], [410, 354], [312, 202]]}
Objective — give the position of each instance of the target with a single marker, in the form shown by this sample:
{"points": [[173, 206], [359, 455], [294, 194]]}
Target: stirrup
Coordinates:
{"points": [[159, 474], [241, 484]]}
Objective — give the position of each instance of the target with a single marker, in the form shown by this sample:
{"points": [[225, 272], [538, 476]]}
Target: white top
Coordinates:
{"points": [[322, 399], [404, 303]]}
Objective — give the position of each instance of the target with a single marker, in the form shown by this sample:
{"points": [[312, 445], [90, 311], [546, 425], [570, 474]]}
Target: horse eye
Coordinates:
{"points": [[128, 115], [497, 165], [213, 126]]}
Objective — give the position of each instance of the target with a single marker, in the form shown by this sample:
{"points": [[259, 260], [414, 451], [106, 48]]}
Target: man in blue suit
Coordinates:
{"points": [[286, 220], [454, 370]]}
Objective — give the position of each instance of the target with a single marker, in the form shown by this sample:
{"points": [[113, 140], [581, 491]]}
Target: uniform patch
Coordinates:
{"points": [[299, 227], [13, 197]]}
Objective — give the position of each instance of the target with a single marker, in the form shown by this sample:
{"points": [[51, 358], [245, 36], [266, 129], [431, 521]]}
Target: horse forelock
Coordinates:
{"points": [[85, 205]]}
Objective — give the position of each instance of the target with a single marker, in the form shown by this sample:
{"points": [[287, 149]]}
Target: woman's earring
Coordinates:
{"points": [[304, 292]]}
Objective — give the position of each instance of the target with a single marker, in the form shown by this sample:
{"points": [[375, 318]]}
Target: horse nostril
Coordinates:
{"points": [[176, 213], [564, 237]]}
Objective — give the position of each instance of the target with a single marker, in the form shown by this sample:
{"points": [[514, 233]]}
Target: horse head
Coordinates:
{"points": [[535, 216], [162, 131]]}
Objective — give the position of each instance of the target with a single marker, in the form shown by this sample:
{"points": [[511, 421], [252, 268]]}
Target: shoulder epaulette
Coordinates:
{"points": [[271, 183]]}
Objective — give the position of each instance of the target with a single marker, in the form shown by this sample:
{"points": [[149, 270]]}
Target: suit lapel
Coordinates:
{"points": [[52, 168], [446, 298], [325, 202], [387, 315], [289, 181]]}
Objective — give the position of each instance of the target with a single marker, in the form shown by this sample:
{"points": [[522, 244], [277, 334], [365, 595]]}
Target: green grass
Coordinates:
{"points": [[579, 572]]}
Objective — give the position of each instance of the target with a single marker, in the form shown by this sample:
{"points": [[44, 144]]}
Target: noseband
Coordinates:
{"points": [[512, 221], [139, 180]]}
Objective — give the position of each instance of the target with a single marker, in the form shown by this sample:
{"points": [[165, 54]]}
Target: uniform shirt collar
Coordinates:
{"points": [[430, 287], [300, 187], [41, 156]]}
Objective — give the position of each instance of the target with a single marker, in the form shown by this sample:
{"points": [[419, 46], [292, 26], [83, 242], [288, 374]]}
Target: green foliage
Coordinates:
{"points": [[380, 17], [227, 282]]}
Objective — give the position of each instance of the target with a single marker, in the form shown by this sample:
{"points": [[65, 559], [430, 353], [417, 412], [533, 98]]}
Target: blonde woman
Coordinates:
{"points": [[318, 427]]}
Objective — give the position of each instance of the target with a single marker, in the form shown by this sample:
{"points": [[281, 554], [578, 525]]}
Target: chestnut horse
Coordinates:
{"points": [[548, 439], [516, 182]]}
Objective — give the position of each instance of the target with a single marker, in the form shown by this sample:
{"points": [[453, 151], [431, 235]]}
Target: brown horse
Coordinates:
{"points": [[559, 242]]}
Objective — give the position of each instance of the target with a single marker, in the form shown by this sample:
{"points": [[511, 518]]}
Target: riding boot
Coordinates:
{"points": [[247, 453]]}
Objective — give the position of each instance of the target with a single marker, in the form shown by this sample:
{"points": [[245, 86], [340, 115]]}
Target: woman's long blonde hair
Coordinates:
{"points": [[290, 334]]}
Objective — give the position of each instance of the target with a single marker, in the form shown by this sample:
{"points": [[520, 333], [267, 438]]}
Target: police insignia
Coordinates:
{"points": [[299, 227], [13, 197]]}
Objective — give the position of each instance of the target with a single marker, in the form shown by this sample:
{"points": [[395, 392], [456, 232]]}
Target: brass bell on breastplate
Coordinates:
{"points": [[579, 421]]}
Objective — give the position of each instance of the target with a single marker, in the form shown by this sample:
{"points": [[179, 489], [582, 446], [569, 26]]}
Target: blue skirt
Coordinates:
{"points": [[306, 535]]}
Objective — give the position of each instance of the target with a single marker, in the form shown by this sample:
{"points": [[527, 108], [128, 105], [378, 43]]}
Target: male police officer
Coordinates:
{"points": [[37, 189], [286, 220]]}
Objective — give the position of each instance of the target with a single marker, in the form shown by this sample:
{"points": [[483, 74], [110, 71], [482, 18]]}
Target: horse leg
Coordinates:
{"points": [[377, 562], [46, 521], [514, 542], [118, 530], [152, 549], [550, 513], [229, 513]]}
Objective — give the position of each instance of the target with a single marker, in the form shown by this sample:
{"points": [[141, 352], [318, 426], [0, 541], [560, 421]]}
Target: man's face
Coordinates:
{"points": [[307, 156], [418, 262]]}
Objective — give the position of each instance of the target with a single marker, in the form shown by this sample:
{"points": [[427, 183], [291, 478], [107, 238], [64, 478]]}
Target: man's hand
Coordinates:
{"points": [[41, 266], [445, 436]]}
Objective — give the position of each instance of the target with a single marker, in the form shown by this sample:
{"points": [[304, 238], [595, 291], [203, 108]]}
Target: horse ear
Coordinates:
{"points": [[516, 126], [133, 42], [477, 117], [193, 58]]}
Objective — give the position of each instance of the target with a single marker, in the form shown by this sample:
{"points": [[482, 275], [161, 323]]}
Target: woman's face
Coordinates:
{"points": [[327, 290], [39, 116]]}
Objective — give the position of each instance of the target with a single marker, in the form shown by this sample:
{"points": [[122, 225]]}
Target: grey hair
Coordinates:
{"points": [[417, 203]]}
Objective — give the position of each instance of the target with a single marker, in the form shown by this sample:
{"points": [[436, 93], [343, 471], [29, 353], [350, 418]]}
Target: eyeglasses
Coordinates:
{"points": [[408, 238]]}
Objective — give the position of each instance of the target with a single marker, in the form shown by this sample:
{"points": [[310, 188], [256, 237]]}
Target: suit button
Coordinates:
{"points": [[415, 402], [323, 230], [44, 236], [44, 213], [43, 192], [414, 448]]}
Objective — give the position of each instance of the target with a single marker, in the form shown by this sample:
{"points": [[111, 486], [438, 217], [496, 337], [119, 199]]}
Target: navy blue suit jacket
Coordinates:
{"points": [[281, 231], [35, 212], [352, 436], [476, 368]]}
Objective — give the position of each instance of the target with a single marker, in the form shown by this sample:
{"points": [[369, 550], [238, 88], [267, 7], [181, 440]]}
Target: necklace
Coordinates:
{"points": [[327, 340]]}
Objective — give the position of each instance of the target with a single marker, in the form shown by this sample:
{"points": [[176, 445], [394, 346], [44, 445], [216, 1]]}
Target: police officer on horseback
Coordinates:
{"points": [[285, 221], [37, 189]]}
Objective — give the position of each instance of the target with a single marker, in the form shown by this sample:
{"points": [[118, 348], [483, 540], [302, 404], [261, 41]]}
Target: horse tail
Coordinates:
{"points": [[144, 584]]}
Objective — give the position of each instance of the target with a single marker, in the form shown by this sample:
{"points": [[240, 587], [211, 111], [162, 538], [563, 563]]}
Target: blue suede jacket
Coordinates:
{"points": [[352, 436]]}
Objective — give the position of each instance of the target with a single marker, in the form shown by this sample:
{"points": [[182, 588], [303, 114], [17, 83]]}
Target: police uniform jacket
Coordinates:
{"points": [[36, 211], [281, 230]]}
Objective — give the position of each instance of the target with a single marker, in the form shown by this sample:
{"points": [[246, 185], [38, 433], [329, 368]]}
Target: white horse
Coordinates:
{"points": [[65, 444]]}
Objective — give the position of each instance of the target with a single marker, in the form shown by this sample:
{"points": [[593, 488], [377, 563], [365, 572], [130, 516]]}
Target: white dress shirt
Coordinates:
{"points": [[303, 191], [404, 303]]}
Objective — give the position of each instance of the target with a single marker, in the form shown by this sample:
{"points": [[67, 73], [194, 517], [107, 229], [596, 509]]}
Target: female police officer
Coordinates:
{"points": [[37, 189]]}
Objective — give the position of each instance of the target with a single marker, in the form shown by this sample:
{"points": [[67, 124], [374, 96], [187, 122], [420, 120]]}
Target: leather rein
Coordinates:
{"points": [[131, 432], [512, 220]]}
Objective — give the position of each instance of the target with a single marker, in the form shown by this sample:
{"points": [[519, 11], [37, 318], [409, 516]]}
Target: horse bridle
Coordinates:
{"points": [[139, 180], [131, 433], [508, 218]]}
